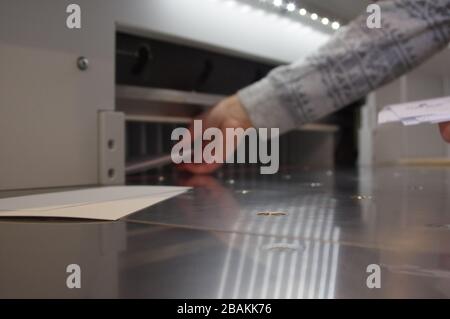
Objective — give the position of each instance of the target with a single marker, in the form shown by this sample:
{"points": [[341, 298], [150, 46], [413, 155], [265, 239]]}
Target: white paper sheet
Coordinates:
{"points": [[105, 203], [427, 111]]}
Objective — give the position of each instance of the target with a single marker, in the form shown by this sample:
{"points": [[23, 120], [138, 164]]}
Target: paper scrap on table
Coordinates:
{"points": [[102, 203], [427, 111]]}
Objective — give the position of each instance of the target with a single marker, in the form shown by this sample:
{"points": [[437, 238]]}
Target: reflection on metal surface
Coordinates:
{"points": [[305, 269], [283, 247], [34, 256], [210, 242], [361, 197], [417, 271], [271, 214], [316, 185], [416, 188], [442, 226]]}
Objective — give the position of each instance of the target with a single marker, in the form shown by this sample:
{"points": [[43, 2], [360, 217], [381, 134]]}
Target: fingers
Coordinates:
{"points": [[445, 131], [199, 180], [227, 114], [202, 168]]}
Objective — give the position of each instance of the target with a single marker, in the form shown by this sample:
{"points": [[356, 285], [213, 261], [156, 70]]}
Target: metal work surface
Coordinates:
{"points": [[307, 234]]}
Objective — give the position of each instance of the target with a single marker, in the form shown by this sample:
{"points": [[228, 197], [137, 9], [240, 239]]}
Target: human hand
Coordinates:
{"points": [[229, 113], [445, 131]]}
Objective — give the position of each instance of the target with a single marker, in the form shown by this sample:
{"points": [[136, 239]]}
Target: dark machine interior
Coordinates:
{"points": [[152, 63]]}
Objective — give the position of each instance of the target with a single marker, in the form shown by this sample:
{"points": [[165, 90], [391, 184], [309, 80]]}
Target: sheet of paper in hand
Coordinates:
{"points": [[412, 113]]}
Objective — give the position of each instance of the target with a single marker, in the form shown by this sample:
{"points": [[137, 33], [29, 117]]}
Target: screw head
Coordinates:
{"points": [[83, 63]]}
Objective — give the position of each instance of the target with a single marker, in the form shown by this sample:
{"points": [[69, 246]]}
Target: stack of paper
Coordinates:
{"points": [[427, 111], [105, 203]]}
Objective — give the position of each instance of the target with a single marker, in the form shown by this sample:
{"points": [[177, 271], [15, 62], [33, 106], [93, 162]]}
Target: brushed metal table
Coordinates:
{"points": [[297, 234]]}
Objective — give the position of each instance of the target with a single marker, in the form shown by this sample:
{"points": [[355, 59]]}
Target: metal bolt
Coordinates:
{"points": [[82, 63], [111, 173]]}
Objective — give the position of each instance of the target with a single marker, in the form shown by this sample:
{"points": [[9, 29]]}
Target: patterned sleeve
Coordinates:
{"points": [[354, 62]]}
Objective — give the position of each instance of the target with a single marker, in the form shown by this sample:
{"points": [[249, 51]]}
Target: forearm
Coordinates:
{"points": [[356, 61]]}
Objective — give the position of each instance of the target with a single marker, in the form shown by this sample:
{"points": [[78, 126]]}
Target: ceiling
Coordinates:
{"points": [[344, 10], [340, 10]]}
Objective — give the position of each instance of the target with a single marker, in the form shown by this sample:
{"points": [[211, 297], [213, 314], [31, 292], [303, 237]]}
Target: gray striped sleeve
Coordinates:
{"points": [[354, 62]]}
